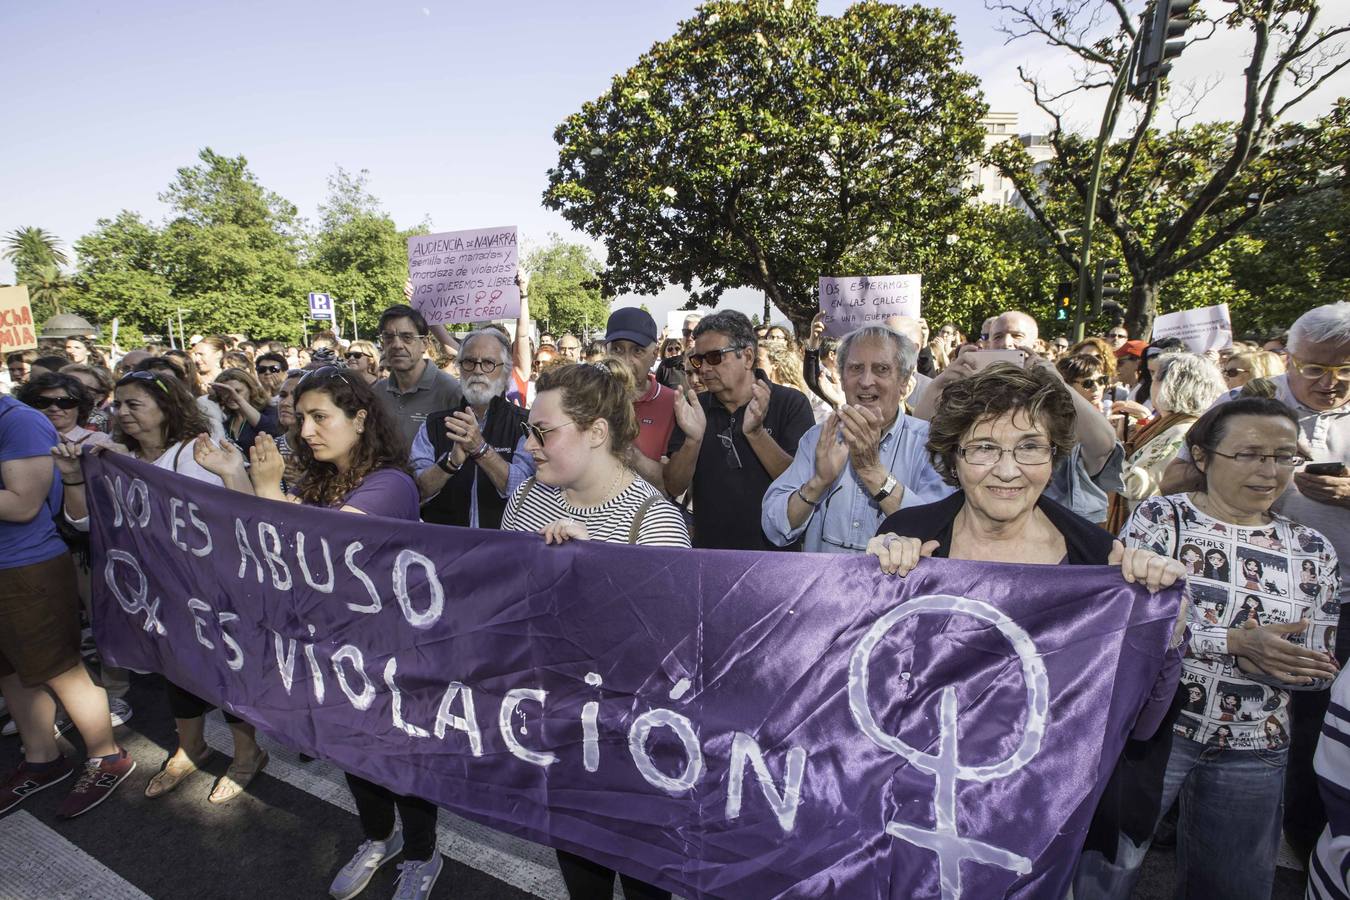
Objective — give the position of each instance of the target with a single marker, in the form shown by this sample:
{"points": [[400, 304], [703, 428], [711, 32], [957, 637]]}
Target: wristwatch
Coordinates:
{"points": [[887, 488], [444, 463]]}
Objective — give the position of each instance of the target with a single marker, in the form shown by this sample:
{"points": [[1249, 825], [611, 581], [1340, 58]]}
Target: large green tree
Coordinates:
{"points": [[565, 287], [1170, 197], [357, 253], [764, 145]]}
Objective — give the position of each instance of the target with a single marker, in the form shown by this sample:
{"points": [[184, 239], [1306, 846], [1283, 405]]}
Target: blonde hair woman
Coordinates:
{"points": [[1241, 368], [363, 359]]}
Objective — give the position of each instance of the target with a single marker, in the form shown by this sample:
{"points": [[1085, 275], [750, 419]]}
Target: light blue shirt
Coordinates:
{"points": [[847, 517], [522, 467]]}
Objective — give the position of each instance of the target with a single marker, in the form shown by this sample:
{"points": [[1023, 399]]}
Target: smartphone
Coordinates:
{"points": [[984, 358], [1336, 470]]}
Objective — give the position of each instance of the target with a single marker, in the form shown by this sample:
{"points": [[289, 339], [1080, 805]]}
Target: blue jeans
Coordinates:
{"points": [[1228, 835]]}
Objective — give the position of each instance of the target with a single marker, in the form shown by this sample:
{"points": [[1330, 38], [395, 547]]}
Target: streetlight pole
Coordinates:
{"points": [[356, 336]]}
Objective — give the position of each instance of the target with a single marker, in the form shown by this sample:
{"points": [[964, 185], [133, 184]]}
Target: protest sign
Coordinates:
{"points": [[16, 320], [465, 276], [797, 725], [320, 306], [850, 303], [1203, 329], [675, 322]]}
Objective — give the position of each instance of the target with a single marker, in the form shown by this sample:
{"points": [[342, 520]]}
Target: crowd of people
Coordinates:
{"points": [[1225, 469]]}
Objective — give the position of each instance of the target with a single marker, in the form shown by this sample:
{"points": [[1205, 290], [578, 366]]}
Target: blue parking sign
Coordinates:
{"points": [[320, 306]]}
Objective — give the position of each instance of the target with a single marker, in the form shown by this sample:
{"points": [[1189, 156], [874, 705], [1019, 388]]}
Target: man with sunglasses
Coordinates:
{"points": [[271, 369], [733, 441], [461, 456], [415, 388]]}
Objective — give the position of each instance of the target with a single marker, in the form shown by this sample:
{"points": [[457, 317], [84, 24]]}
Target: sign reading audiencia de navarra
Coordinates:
{"points": [[465, 276], [16, 320]]}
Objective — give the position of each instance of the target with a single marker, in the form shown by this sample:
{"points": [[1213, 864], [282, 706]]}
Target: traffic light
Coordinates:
{"points": [[1166, 22], [1063, 300], [1105, 284]]}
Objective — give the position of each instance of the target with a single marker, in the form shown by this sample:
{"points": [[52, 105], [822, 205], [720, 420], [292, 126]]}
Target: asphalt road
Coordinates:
{"points": [[286, 837]]}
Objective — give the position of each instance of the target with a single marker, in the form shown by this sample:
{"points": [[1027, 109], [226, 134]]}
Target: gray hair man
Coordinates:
{"points": [[462, 456], [866, 460]]}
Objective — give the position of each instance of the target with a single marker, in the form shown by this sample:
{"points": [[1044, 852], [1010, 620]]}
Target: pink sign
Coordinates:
{"points": [[465, 276]]}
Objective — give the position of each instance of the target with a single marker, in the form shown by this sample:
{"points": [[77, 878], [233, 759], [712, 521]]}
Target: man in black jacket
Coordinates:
{"points": [[462, 456]]}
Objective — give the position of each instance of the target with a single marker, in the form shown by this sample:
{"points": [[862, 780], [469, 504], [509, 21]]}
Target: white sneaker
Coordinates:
{"points": [[416, 879], [356, 874], [119, 710]]}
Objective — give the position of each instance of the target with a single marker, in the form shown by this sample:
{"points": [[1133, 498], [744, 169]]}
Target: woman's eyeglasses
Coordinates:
{"points": [[991, 454], [1252, 458], [355, 354], [531, 430], [1093, 383], [713, 357], [325, 371], [268, 370], [58, 402], [1233, 371]]}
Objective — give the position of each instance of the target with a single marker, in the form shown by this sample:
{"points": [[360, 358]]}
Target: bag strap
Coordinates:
{"points": [[638, 516], [525, 494], [1176, 528], [178, 455]]}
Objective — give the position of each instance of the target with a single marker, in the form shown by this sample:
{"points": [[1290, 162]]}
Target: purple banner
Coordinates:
{"points": [[722, 724]]}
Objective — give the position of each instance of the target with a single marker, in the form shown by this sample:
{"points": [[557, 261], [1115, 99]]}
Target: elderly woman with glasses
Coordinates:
{"points": [[1224, 763], [1186, 386], [157, 420]]}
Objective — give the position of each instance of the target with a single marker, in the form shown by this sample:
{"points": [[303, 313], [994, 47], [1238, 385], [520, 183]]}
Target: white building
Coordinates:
{"points": [[991, 186]]}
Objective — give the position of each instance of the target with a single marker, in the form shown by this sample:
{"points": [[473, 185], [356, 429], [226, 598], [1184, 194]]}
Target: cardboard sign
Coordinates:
{"points": [[850, 303], [1203, 329], [320, 306], [16, 320], [465, 276]]}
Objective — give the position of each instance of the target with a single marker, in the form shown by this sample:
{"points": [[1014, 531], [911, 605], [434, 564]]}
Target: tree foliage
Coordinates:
{"points": [[37, 258], [764, 145], [1169, 199], [565, 287]]}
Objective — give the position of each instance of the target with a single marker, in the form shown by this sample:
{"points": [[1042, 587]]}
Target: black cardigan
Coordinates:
{"points": [[1087, 545]]}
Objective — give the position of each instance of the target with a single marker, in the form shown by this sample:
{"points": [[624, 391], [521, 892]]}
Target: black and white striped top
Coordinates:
{"points": [[535, 505], [1329, 867]]}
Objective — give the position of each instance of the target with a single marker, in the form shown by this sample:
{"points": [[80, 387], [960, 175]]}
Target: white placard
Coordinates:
{"points": [[1206, 328], [465, 276], [320, 306], [850, 303]]}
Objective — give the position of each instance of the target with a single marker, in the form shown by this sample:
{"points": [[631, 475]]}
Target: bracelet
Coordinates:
{"points": [[444, 464], [72, 483], [799, 493], [482, 448]]}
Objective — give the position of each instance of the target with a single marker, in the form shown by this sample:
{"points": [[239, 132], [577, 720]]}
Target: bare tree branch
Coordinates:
{"points": [[1298, 98], [1191, 97], [1136, 139], [1056, 24]]}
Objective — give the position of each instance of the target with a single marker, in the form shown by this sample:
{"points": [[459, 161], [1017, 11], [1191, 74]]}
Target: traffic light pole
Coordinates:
{"points": [[1109, 118]]}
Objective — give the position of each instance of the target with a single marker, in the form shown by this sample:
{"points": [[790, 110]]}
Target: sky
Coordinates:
{"points": [[451, 107]]}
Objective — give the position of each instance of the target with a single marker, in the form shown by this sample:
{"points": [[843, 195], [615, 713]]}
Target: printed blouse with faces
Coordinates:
{"points": [[1274, 573]]}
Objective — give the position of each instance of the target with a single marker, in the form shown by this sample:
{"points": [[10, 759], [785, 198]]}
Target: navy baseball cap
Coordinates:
{"points": [[631, 324]]}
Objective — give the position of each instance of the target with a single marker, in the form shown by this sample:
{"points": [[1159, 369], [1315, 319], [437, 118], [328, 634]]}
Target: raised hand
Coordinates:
{"points": [[757, 408], [267, 465], [689, 415], [222, 459], [831, 452]]}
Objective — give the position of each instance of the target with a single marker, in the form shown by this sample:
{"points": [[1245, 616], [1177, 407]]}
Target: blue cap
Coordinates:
{"points": [[632, 324]]}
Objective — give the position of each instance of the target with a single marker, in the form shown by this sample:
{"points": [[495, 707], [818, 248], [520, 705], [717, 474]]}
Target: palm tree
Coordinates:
{"points": [[29, 249], [46, 285]]}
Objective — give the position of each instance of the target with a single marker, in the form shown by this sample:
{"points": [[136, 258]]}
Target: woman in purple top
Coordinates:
{"points": [[352, 458]]}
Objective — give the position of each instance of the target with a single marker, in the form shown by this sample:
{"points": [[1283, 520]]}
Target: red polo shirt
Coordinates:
{"points": [[656, 419]]}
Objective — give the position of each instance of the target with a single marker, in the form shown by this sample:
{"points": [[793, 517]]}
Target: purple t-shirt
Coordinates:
{"points": [[25, 432], [386, 492]]}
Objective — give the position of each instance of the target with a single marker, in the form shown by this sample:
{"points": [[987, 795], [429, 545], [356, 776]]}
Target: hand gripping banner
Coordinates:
{"points": [[723, 724]]}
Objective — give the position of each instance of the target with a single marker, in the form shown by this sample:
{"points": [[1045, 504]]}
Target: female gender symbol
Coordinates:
{"points": [[944, 839]]}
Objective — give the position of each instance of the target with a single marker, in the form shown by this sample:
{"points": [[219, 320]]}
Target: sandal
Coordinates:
{"points": [[173, 773], [236, 779]]}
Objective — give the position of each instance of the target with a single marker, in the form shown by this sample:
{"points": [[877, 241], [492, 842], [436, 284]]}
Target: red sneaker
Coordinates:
{"points": [[100, 777], [27, 781]]}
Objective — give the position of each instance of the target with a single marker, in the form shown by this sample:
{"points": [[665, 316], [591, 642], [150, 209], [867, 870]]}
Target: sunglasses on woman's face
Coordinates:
{"points": [[58, 402], [355, 355], [269, 370], [1093, 383], [1233, 371]]}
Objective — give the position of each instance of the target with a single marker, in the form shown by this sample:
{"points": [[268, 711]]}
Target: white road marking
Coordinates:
{"points": [[522, 864], [39, 864]]}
